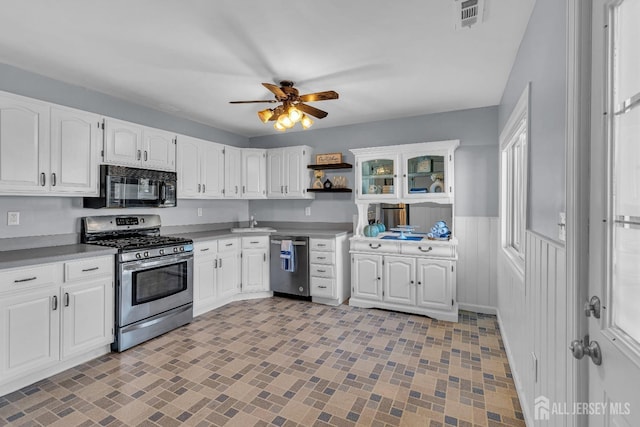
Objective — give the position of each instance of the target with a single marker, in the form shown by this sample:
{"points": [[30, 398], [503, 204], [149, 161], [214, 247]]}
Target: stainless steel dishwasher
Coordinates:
{"points": [[287, 282]]}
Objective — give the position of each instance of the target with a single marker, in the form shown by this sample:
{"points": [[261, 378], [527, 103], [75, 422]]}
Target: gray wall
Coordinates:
{"points": [[476, 161], [541, 60], [59, 215], [33, 85]]}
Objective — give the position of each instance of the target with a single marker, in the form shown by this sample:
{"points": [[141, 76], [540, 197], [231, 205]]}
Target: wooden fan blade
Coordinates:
{"points": [[319, 96], [276, 90], [313, 111], [251, 102]]}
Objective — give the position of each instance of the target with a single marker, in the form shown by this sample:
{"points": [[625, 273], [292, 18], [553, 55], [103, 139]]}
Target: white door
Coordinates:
{"points": [[228, 279], [275, 173], [232, 172], [254, 176], [399, 280], [29, 332], [255, 277], [24, 145], [188, 169], [75, 142], [614, 248], [159, 150], [295, 169], [435, 284], [123, 143], [212, 170], [367, 276], [204, 292], [87, 316]]}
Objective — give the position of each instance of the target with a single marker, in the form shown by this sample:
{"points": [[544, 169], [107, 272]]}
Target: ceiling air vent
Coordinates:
{"points": [[468, 12]]}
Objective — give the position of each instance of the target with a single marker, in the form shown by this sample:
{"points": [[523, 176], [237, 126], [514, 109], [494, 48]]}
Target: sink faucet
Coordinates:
{"points": [[252, 222]]}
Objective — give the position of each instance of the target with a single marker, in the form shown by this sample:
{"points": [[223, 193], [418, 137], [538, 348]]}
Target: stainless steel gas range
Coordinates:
{"points": [[154, 276]]}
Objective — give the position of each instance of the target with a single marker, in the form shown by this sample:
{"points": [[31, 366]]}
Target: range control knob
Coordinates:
{"points": [[146, 254], [175, 249], [138, 255], [181, 248], [161, 251]]}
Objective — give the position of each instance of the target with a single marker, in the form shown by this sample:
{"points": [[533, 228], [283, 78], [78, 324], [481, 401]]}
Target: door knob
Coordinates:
{"points": [[581, 348]]}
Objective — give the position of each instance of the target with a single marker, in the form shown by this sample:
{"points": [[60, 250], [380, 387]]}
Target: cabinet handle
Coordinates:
{"points": [[139, 154], [322, 257], [321, 244], [322, 287], [25, 280], [220, 263], [43, 179], [229, 244], [216, 263], [199, 187], [286, 189], [264, 257], [236, 189], [254, 243], [429, 249], [54, 301], [244, 189], [66, 299], [377, 247], [322, 271], [282, 189], [145, 155], [204, 187], [84, 270], [53, 179], [204, 250]]}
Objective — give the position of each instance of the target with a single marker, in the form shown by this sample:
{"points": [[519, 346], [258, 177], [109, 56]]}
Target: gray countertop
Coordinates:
{"points": [[200, 236], [48, 254]]}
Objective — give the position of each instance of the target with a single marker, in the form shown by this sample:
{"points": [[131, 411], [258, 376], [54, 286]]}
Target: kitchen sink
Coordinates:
{"points": [[253, 230]]}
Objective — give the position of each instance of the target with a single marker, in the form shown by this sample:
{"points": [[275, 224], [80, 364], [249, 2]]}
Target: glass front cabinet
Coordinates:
{"points": [[406, 173]]}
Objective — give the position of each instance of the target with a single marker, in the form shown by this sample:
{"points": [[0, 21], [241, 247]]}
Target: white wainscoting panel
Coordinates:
{"points": [[477, 263], [536, 326]]}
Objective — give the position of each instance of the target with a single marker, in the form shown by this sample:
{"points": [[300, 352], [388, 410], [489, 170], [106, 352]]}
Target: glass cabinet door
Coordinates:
{"points": [[424, 175], [379, 178]]}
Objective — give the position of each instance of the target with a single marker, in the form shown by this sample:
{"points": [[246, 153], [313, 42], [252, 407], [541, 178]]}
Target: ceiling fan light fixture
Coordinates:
{"points": [[294, 114], [306, 121], [279, 127], [285, 121], [265, 115]]}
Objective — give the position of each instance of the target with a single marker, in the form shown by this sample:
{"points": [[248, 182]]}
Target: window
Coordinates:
{"points": [[513, 181]]}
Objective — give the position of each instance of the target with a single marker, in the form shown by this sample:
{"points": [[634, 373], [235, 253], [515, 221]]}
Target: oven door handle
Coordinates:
{"points": [[157, 262]]}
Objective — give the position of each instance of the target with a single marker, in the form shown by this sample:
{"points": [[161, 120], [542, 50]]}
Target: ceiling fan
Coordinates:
{"points": [[293, 108]]}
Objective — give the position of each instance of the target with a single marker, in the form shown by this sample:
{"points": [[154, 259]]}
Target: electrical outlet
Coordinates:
{"points": [[307, 211], [199, 211], [13, 218], [562, 227]]}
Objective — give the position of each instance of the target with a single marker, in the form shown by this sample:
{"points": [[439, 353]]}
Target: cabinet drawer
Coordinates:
{"points": [[204, 249], [428, 249], [321, 257], [321, 287], [375, 246], [322, 244], [21, 278], [319, 270], [228, 245], [93, 267], [255, 242]]}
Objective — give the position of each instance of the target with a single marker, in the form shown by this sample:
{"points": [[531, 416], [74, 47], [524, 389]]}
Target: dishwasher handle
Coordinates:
{"points": [[295, 242]]}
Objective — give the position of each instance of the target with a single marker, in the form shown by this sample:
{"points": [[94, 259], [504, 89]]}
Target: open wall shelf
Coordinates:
{"points": [[331, 166], [330, 190]]}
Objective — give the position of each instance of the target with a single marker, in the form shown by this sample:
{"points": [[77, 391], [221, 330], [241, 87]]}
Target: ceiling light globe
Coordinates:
{"points": [[285, 121], [277, 126], [294, 114], [306, 121], [265, 115]]}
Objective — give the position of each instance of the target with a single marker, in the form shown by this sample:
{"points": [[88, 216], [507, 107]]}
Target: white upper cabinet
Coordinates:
{"points": [[24, 144], [410, 173], [200, 168], [287, 173], [232, 172], [254, 176], [75, 142], [47, 149], [130, 144]]}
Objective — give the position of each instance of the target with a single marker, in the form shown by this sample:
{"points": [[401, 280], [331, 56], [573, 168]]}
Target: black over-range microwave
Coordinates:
{"points": [[125, 187]]}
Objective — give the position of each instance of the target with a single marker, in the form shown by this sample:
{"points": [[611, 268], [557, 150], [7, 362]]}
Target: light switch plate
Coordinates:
{"points": [[307, 211], [199, 211], [562, 227], [13, 218]]}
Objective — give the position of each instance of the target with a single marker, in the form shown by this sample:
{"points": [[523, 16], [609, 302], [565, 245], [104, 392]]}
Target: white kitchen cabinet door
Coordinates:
{"points": [[29, 332], [399, 280], [159, 150], [367, 276], [211, 170], [188, 168], [204, 292], [296, 174], [275, 173], [123, 143], [228, 274], [24, 145], [232, 172], [254, 175], [435, 283], [255, 270], [76, 138], [87, 316]]}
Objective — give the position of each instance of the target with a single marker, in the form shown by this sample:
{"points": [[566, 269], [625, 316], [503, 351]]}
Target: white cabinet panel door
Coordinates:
{"points": [[204, 292], [228, 279], [75, 143], [188, 168], [24, 145], [255, 271], [232, 172], [367, 276], [399, 280], [159, 150], [212, 170], [435, 283], [123, 143], [275, 174], [295, 168], [254, 176]]}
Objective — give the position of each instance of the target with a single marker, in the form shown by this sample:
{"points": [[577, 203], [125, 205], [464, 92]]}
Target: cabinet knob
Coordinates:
{"points": [[378, 278], [419, 283]]}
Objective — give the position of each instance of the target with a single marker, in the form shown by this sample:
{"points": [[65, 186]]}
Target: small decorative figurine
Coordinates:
{"points": [[318, 176], [327, 184]]}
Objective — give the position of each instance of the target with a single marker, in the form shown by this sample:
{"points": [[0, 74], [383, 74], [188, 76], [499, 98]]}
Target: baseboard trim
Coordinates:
{"points": [[484, 309]]}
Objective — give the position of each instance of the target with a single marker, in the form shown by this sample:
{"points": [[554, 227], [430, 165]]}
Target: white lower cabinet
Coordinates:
{"points": [[53, 317], [255, 264], [329, 270], [410, 283], [216, 273]]}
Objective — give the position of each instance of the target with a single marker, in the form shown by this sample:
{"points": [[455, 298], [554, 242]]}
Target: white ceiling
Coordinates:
{"points": [[386, 59]]}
